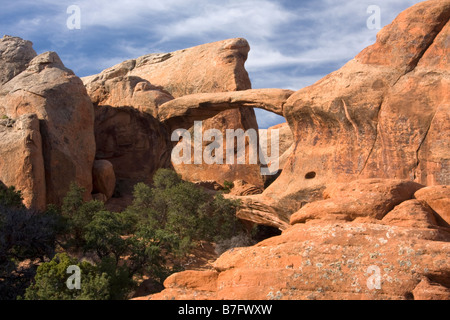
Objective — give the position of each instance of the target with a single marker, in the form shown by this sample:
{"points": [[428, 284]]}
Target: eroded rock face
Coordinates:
{"points": [[411, 213], [428, 290], [127, 91], [372, 198], [222, 172], [378, 131], [15, 54], [21, 160], [43, 86], [134, 142], [242, 188], [210, 68], [182, 112], [413, 130], [383, 115]]}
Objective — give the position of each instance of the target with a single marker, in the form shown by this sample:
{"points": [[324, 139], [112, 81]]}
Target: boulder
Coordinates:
{"points": [[427, 290], [372, 198], [21, 160], [127, 91], [438, 198], [66, 117], [411, 213], [104, 178], [15, 54], [263, 210]]}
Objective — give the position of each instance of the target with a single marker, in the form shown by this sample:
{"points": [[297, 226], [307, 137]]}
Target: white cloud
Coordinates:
{"points": [[257, 19], [293, 43]]}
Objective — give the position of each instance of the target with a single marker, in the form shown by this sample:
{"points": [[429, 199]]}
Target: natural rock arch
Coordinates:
{"points": [[182, 112]]}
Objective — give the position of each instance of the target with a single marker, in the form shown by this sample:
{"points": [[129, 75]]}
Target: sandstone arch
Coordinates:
{"points": [[182, 112]]}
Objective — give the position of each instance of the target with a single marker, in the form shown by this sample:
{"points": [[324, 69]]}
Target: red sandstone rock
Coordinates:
{"points": [[427, 290], [182, 112], [134, 142], [242, 188], [361, 198], [385, 114], [15, 54], [286, 145], [411, 213], [210, 68], [438, 198], [21, 160], [59, 99], [127, 91], [104, 178], [326, 261]]}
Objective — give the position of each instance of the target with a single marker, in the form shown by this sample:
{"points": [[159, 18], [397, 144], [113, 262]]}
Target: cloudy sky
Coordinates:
{"points": [[293, 43]]}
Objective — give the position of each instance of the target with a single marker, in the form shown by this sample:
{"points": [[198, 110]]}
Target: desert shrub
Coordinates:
{"points": [[166, 178], [227, 186], [50, 282], [10, 197], [78, 214], [149, 249], [165, 221], [184, 211], [103, 235], [120, 278], [26, 239]]}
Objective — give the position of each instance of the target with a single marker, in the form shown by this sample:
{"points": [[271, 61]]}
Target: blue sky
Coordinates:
{"points": [[293, 43]]}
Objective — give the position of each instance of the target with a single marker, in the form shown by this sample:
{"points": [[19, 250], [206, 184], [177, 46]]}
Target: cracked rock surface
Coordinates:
{"points": [[385, 114]]}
